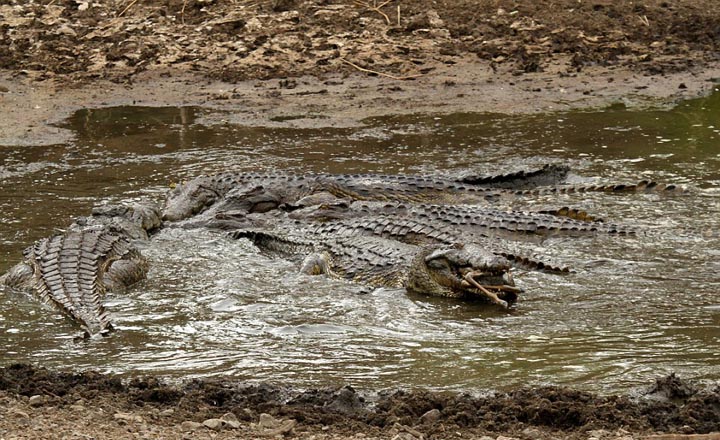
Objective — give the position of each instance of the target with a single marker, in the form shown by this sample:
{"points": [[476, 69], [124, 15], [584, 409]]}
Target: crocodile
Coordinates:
{"points": [[73, 270], [260, 193], [456, 271], [472, 218]]}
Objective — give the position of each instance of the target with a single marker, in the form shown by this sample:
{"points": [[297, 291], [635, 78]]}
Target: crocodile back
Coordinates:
{"points": [[69, 270]]}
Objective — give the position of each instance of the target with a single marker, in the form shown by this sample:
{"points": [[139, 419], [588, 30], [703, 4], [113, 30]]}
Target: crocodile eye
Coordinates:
{"points": [[437, 264]]}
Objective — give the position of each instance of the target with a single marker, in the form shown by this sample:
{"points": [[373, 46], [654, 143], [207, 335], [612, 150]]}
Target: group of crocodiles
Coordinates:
{"points": [[432, 235]]}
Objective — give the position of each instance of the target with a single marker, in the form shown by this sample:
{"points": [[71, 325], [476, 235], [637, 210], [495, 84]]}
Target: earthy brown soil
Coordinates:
{"points": [[274, 60], [328, 63], [35, 402], [234, 40]]}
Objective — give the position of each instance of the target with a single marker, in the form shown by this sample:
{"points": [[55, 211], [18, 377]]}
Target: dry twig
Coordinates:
{"points": [[387, 75], [375, 7], [182, 12], [127, 7]]}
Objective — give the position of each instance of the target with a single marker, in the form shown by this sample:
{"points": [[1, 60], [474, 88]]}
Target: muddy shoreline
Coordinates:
{"points": [[316, 63], [31, 107], [226, 408]]}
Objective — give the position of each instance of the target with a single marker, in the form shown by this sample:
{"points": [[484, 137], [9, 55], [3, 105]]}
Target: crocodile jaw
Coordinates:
{"points": [[188, 199], [462, 272]]}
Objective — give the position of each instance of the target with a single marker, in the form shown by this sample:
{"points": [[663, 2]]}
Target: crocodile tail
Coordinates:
{"points": [[642, 186], [550, 174], [532, 264], [273, 242], [572, 213]]}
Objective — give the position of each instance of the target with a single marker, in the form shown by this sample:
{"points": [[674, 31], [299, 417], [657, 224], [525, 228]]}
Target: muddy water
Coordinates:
{"points": [[634, 308]]}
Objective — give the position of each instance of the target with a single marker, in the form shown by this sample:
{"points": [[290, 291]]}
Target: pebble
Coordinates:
{"points": [[167, 412], [430, 417], [532, 433], [270, 426], [127, 417], [188, 426], [598, 434], [214, 424], [231, 420], [36, 400], [18, 413]]}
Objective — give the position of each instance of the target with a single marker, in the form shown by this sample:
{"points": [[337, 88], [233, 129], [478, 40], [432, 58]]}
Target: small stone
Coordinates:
{"points": [[231, 420], [270, 426], [267, 421], [36, 400], [18, 413], [598, 434], [532, 433], [127, 417], [66, 30], [189, 426], [502, 437], [214, 424], [167, 412], [4, 89], [229, 417], [430, 417]]}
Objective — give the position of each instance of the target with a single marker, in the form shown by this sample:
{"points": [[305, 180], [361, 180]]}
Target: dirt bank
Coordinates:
{"points": [[329, 63], [35, 402]]}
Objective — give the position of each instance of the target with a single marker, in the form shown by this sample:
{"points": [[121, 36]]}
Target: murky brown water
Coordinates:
{"points": [[635, 308]]}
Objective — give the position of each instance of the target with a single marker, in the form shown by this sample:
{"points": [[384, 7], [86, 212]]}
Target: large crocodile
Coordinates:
{"points": [[259, 193], [471, 218], [456, 271], [73, 270]]}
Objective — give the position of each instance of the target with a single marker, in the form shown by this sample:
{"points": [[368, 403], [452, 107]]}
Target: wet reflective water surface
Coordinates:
{"points": [[634, 307]]}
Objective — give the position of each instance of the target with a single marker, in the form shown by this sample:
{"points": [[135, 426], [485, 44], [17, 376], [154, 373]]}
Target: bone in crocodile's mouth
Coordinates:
{"points": [[489, 290]]}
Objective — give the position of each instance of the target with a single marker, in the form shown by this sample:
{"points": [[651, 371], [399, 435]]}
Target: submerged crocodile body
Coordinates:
{"points": [[466, 218], [466, 271], [339, 214], [260, 193], [74, 270], [256, 192], [435, 235]]}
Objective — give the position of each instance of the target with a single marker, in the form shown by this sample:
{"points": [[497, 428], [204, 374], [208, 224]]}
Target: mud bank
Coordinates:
{"points": [[35, 402], [328, 63], [30, 108]]}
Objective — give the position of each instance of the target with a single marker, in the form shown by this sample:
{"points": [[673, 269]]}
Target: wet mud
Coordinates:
{"points": [[670, 405]]}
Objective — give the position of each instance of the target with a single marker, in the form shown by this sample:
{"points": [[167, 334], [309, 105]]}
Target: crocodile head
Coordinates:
{"points": [[190, 198], [463, 271]]}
